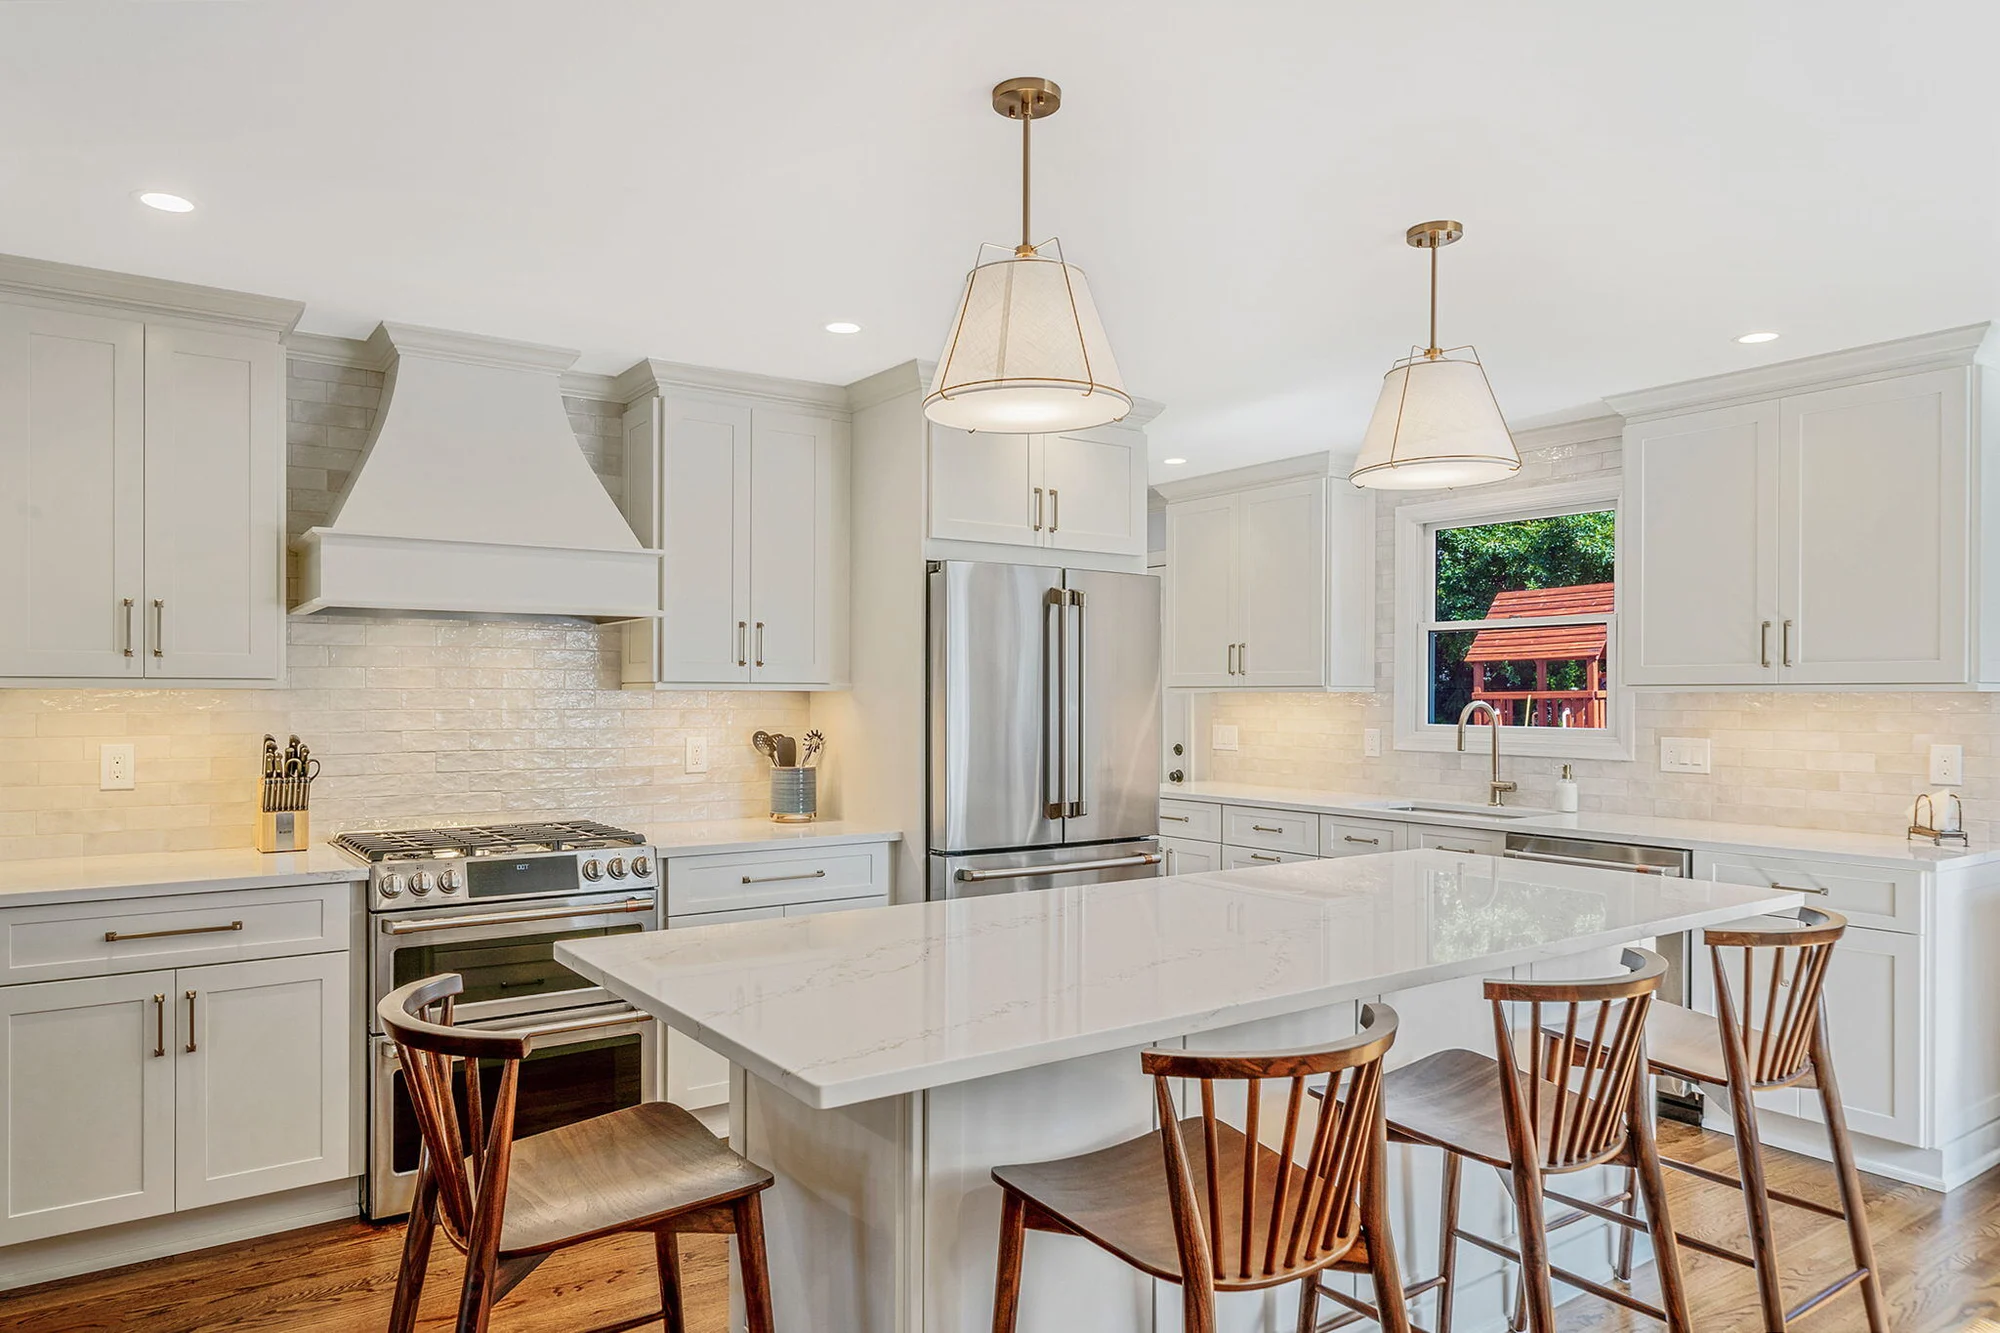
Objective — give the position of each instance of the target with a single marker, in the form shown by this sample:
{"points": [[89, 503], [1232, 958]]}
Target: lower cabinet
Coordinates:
{"points": [[1187, 856], [132, 1095], [1246, 858]]}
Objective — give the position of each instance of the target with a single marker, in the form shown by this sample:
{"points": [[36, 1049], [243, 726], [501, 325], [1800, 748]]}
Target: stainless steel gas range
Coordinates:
{"points": [[490, 903]]}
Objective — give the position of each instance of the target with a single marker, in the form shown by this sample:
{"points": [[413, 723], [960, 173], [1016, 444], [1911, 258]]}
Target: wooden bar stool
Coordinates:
{"points": [[1753, 1045], [509, 1203], [1580, 1103], [1201, 1204]]}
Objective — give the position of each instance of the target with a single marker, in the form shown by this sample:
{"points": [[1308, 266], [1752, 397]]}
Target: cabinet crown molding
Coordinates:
{"points": [[41, 279], [1244, 478], [1944, 350], [651, 376]]}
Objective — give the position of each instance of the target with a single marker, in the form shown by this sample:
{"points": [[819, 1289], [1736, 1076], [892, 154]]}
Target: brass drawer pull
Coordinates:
{"points": [[1176, 819], [1462, 851], [159, 1025], [1266, 828], [778, 879], [159, 626], [1764, 644], [112, 936], [1798, 888], [1372, 842], [190, 1000], [1259, 856]]}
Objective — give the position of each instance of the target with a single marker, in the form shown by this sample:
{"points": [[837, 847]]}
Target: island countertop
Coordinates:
{"points": [[850, 1007]]}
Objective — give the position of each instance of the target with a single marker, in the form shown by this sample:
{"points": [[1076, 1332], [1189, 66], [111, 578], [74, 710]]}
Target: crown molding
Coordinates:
{"points": [[390, 341], [327, 350], [653, 377], [44, 279], [1243, 478], [1943, 350], [1581, 430], [884, 385], [589, 384]]}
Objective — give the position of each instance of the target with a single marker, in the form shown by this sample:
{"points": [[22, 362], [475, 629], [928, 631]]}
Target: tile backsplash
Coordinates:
{"points": [[413, 719], [1834, 760]]}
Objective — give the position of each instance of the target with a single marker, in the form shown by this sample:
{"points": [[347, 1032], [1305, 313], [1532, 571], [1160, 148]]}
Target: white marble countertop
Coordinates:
{"points": [[150, 874], [1694, 834], [854, 1006]]}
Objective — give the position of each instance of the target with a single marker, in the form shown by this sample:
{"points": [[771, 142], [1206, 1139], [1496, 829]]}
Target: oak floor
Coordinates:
{"points": [[1941, 1254]]}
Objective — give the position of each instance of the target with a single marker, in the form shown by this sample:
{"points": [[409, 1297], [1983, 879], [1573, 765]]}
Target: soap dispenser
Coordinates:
{"points": [[1566, 791]]}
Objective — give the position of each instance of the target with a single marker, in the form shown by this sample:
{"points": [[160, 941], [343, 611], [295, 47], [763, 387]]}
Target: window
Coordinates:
{"points": [[1510, 600]]}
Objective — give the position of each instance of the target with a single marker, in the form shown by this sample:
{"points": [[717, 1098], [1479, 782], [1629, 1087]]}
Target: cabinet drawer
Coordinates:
{"points": [[69, 939], [1341, 836], [1188, 857], [1872, 896], [1271, 830], [1195, 821], [1247, 858], [697, 884], [1471, 842]]}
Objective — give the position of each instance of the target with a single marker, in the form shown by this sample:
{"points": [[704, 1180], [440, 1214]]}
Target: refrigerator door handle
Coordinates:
{"points": [[1056, 775], [1079, 807], [1057, 868]]}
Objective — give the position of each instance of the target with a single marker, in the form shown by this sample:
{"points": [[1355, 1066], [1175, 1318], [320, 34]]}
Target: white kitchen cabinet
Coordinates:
{"points": [[142, 499], [747, 499], [1877, 1028], [1082, 491], [1816, 537], [1249, 858], [261, 1074], [1270, 587], [86, 1103], [1344, 835], [1465, 841], [1185, 856]]}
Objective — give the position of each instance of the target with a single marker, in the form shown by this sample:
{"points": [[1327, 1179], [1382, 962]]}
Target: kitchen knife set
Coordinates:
{"points": [[789, 752], [286, 792]]}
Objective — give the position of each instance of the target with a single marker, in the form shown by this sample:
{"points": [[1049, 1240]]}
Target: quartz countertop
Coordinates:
{"points": [[1694, 834], [150, 874], [853, 1006]]}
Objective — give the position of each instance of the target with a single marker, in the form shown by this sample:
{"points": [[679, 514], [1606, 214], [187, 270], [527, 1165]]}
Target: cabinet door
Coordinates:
{"points": [[986, 487], [1698, 550], [72, 434], [696, 1076], [1464, 841], [1872, 532], [261, 1079], [1187, 857], [1281, 538], [1096, 493], [1201, 592], [86, 1104], [795, 552], [1875, 1021], [704, 510], [215, 505]]}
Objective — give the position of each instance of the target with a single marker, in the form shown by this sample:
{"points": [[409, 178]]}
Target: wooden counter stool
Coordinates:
{"points": [[1580, 1103], [1765, 1036], [509, 1203], [1214, 1209]]}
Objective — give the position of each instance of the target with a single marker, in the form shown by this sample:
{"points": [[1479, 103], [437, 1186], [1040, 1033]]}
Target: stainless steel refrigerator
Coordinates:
{"points": [[1044, 719]]}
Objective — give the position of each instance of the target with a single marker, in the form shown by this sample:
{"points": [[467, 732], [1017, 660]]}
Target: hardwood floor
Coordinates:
{"points": [[1941, 1254]]}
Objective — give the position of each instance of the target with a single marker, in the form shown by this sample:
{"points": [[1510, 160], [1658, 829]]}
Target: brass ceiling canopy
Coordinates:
{"points": [[1027, 99], [1431, 235]]}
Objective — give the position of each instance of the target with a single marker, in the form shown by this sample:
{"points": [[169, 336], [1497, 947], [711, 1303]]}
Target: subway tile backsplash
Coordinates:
{"points": [[414, 720]]}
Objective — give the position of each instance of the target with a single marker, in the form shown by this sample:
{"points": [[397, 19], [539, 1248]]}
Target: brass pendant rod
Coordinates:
{"points": [[1027, 243], [1434, 351]]}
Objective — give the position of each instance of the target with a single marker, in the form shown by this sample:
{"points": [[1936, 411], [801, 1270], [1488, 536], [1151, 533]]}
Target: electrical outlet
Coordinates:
{"points": [[115, 767], [1684, 754], [1948, 765], [697, 754], [1371, 743], [1221, 736]]}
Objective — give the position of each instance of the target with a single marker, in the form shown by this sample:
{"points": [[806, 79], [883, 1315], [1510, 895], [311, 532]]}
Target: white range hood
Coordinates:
{"points": [[472, 496]]}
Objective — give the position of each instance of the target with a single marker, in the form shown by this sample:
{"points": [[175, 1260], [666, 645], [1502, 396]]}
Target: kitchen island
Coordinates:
{"points": [[887, 1060]]}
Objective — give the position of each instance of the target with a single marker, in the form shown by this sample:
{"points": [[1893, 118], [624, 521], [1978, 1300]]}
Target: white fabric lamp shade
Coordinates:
{"points": [[1027, 353], [1435, 425]]}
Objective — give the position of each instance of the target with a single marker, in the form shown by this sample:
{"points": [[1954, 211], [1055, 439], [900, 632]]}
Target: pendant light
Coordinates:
{"points": [[1437, 423], [1027, 352]]}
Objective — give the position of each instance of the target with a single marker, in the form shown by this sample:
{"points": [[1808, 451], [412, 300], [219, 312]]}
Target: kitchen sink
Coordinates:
{"points": [[1463, 808]]}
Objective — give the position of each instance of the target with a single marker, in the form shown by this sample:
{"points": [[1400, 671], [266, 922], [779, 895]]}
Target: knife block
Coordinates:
{"points": [[283, 830]]}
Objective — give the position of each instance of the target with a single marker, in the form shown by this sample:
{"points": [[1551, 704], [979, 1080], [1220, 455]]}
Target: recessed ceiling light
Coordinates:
{"points": [[843, 326], [1758, 338], [166, 203], [1173, 462]]}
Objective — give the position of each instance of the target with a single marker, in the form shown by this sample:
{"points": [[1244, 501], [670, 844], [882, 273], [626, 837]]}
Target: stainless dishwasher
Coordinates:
{"points": [[1678, 1100]]}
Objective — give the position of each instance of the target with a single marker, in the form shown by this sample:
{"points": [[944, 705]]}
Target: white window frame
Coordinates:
{"points": [[1416, 574]]}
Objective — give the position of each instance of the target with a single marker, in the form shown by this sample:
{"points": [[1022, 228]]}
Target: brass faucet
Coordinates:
{"points": [[1497, 789]]}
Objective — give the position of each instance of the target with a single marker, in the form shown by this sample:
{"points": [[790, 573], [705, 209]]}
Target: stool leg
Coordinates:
{"points": [[1454, 1170], [1626, 1235], [1388, 1274], [749, 1219], [1535, 1279], [666, 1249], [1650, 1180], [1756, 1202], [1851, 1201], [1007, 1281]]}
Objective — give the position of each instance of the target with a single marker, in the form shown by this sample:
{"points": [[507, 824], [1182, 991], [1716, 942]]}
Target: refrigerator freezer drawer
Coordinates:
{"points": [[1044, 868]]}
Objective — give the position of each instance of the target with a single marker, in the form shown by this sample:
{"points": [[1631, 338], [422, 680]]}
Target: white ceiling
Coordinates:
{"points": [[712, 183]]}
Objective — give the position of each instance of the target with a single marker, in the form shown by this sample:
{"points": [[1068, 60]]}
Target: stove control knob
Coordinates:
{"points": [[592, 870], [421, 883], [617, 867], [448, 882], [392, 886], [642, 866]]}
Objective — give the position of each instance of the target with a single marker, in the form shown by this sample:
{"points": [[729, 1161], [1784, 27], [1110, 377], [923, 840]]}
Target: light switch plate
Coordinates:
{"points": [[1221, 736], [697, 754], [115, 767], [1371, 743], [1947, 765], [1684, 754]]}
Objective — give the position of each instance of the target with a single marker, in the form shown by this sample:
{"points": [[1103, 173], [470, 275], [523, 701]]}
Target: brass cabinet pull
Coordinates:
{"points": [[758, 656], [1055, 509], [1267, 828], [112, 936], [742, 633], [159, 626], [777, 879], [127, 602], [1176, 819], [1797, 888], [1764, 644], [1462, 851], [1372, 842], [1259, 856], [1232, 659], [1038, 509], [159, 1025], [1242, 659], [190, 1000], [1788, 643]]}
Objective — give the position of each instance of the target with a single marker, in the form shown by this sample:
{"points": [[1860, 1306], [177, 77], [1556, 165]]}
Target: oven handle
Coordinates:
{"points": [[628, 1018], [511, 918]]}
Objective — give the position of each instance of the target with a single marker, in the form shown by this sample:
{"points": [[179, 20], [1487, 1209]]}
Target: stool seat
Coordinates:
{"points": [[1688, 1045], [1118, 1197], [1451, 1100]]}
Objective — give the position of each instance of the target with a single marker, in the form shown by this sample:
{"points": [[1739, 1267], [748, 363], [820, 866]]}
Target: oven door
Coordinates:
{"points": [[506, 955], [603, 1065]]}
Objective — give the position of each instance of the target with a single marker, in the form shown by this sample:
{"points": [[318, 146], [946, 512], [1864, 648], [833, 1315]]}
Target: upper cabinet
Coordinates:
{"points": [[1270, 586], [1817, 537], [1084, 491], [142, 484], [745, 494]]}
